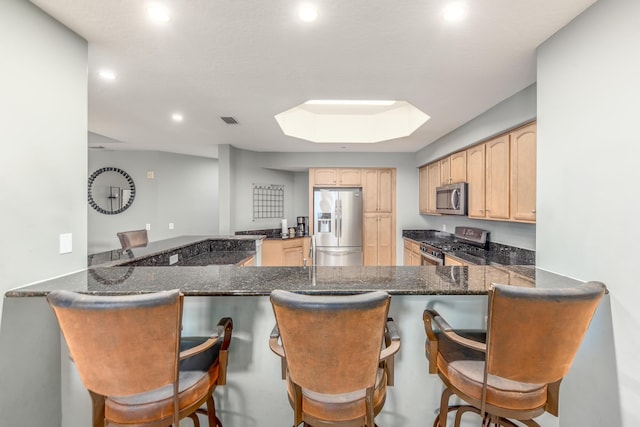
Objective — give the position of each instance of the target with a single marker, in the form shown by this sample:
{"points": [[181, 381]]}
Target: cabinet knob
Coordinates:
{"points": [[533, 211]]}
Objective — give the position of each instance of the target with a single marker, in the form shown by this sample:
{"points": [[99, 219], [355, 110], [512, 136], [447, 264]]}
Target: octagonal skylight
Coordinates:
{"points": [[351, 121]]}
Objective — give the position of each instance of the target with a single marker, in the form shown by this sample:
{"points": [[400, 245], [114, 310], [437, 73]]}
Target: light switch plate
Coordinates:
{"points": [[170, 226], [148, 227], [66, 243]]}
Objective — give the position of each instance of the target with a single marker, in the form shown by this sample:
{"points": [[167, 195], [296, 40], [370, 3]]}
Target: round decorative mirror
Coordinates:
{"points": [[111, 190]]}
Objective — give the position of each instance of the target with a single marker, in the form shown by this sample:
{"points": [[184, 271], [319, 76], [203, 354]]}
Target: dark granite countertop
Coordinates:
{"points": [[227, 280], [158, 252], [495, 254]]}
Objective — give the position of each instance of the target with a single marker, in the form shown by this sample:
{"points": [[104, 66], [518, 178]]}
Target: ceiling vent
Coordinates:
{"points": [[229, 120]]}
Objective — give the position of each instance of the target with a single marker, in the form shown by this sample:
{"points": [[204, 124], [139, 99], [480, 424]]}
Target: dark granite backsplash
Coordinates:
{"points": [[271, 233]]}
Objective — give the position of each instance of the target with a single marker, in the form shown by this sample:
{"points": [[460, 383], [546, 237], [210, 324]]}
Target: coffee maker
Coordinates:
{"points": [[303, 226]]}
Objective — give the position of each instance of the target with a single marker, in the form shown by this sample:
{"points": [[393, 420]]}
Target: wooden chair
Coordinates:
{"points": [[531, 339], [133, 239], [337, 355], [127, 352]]}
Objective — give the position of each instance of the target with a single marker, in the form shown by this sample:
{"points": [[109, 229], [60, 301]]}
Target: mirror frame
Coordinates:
{"points": [[97, 207]]}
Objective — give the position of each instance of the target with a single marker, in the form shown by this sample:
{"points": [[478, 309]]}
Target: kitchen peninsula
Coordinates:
{"points": [[214, 291]]}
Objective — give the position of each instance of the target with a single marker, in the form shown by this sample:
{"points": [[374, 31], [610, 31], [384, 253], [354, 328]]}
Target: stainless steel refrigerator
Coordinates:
{"points": [[337, 216]]}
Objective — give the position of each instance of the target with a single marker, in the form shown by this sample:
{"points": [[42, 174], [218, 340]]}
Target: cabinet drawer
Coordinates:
{"points": [[294, 243]]}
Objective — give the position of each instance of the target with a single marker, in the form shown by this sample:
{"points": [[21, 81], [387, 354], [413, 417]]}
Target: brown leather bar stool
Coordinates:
{"points": [[531, 340], [133, 239], [127, 350], [337, 354]]}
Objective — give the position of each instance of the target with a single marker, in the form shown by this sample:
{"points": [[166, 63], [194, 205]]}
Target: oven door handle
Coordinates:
{"points": [[440, 261]]}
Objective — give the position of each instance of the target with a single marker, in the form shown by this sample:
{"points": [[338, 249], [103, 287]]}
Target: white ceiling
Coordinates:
{"points": [[253, 59]]}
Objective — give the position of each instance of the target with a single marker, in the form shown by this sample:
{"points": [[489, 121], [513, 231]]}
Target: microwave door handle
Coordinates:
{"points": [[455, 199]]}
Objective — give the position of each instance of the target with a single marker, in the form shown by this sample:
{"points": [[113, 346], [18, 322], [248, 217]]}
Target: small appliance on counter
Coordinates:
{"points": [[303, 226]]}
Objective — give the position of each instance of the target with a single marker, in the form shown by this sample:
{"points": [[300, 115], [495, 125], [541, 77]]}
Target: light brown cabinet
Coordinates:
{"points": [[378, 239], [379, 190], [501, 177], [453, 169], [497, 178], [337, 177], [411, 253], [430, 178], [379, 200], [476, 181], [286, 252], [523, 173], [451, 260]]}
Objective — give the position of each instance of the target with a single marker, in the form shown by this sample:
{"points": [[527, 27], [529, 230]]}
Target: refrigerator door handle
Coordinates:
{"points": [[339, 218]]}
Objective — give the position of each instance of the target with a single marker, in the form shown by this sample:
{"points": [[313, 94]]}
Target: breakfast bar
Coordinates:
{"points": [[254, 393]]}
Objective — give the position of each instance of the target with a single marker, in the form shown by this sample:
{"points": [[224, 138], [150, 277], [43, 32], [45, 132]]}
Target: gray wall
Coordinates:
{"points": [[43, 172], [588, 174], [513, 111], [184, 191]]}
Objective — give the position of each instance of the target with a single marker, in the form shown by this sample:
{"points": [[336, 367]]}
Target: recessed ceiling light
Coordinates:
{"points": [[158, 14], [177, 117], [454, 12], [349, 102], [107, 74], [307, 12]]}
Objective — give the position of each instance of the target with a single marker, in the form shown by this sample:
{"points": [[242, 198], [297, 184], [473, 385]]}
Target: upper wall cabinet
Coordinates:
{"points": [[523, 173], [337, 177], [497, 178], [453, 169], [430, 176], [476, 181], [501, 177], [379, 185]]}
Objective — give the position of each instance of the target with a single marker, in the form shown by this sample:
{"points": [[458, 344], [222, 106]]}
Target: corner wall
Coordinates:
{"points": [[588, 150], [43, 173]]}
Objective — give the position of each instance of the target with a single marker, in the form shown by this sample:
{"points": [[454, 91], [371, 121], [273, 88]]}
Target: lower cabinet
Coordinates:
{"points": [[411, 253], [286, 252], [450, 260], [378, 238]]}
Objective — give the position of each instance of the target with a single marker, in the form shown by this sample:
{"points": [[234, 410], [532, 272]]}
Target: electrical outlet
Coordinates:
{"points": [[173, 259], [444, 227], [148, 227], [170, 226]]}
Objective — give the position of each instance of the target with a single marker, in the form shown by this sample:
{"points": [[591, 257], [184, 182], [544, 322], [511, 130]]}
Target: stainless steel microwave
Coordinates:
{"points": [[452, 199]]}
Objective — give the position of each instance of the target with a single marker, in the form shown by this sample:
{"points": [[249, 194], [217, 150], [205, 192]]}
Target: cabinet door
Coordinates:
{"points": [[497, 178], [325, 177], [378, 239], [476, 180], [433, 181], [349, 177], [378, 190], [423, 195], [370, 239], [458, 165], [523, 174], [445, 171], [292, 256], [385, 240], [449, 260], [271, 253], [385, 190]]}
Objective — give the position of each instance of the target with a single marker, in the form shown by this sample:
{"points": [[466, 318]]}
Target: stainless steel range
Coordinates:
{"points": [[465, 238]]}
